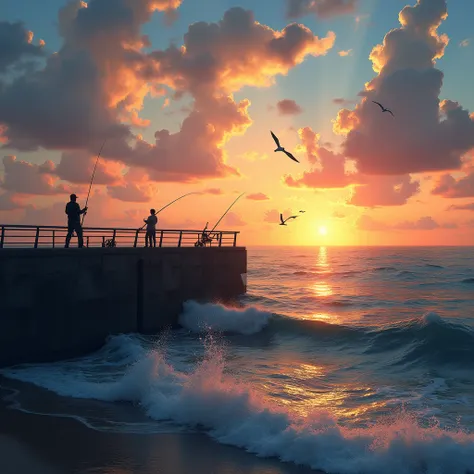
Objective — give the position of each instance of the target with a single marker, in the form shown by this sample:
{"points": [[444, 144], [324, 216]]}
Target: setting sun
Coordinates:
{"points": [[323, 230]]}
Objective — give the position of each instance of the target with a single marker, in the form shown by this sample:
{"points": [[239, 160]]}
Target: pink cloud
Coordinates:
{"points": [[136, 187], [257, 197], [367, 223], [342, 101], [233, 219], [9, 202], [78, 166], [288, 107], [384, 191], [23, 177], [215, 191], [463, 207], [273, 215], [321, 8], [448, 187], [331, 171], [424, 135]]}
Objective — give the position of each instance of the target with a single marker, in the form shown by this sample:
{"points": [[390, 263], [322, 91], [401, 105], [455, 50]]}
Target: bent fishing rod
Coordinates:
{"points": [[172, 202], [223, 215], [92, 179]]}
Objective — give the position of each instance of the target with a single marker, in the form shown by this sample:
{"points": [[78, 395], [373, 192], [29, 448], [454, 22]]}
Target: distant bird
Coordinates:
{"points": [[280, 148], [282, 221], [302, 212], [383, 108]]}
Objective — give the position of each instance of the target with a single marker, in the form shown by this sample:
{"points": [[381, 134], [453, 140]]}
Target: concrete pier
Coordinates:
{"points": [[60, 303]]}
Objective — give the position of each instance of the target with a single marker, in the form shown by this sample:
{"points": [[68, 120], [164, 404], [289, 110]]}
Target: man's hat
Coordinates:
{"points": [[73, 196]]}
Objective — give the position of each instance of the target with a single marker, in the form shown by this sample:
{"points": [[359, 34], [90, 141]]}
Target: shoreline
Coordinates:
{"points": [[43, 444]]}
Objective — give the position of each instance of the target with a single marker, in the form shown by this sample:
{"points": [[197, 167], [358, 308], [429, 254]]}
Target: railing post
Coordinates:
{"points": [[161, 238], [54, 233], [136, 238], [2, 237], [113, 237], [37, 237], [103, 241], [220, 239], [235, 239], [180, 237], [87, 241]]}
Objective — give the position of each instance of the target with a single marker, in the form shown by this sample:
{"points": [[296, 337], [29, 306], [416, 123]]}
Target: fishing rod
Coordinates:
{"points": [[223, 215], [92, 179], [172, 202]]}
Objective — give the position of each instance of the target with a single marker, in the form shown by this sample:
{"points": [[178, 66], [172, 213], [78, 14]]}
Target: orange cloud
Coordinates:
{"points": [[331, 172], [462, 207], [233, 219], [448, 187], [384, 191], [23, 177], [273, 215], [257, 197], [344, 53], [105, 75], [367, 223], [136, 187], [288, 107]]}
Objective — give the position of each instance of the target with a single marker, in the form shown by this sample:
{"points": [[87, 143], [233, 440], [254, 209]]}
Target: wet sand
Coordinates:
{"points": [[41, 444]]}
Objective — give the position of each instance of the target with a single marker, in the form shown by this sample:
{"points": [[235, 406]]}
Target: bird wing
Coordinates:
{"points": [[379, 104], [281, 219], [291, 156], [276, 139], [391, 112], [291, 217]]}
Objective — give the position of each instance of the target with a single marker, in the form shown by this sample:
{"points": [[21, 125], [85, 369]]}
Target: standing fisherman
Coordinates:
{"points": [[151, 222], [74, 212]]}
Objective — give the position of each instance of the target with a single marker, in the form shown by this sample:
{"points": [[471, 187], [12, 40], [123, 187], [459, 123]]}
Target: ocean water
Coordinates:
{"points": [[347, 360]]}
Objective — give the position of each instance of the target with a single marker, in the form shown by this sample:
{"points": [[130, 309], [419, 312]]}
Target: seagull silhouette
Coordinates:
{"points": [[302, 212], [383, 108], [280, 148], [282, 221]]}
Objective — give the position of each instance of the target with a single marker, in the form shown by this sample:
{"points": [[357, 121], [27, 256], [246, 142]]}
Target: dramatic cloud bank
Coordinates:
{"points": [[94, 87], [424, 135]]}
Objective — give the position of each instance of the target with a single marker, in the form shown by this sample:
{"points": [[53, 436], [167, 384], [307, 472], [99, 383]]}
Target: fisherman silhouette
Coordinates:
{"points": [[74, 212], [151, 222]]}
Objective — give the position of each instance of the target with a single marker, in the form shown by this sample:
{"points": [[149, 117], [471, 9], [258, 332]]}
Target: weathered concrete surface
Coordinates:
{"points": [[58, 303]]}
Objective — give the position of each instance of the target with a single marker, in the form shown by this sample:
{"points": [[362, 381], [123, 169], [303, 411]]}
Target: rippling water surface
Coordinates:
{"points": [[351, 360]]}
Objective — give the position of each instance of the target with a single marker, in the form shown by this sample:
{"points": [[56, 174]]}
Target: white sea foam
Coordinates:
{"points": [[236, 414], [200, 318]]}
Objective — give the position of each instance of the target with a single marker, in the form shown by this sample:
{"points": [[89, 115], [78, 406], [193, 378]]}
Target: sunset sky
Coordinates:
{"points": [[186, 92]]}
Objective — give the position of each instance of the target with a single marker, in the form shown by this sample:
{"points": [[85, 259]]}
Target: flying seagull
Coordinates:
{"points": [[383, 108], [280, 148], [302, 212], [282, 221]]}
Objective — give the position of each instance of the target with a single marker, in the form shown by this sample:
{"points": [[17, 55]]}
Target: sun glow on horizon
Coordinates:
{"points": [[323, 230]]}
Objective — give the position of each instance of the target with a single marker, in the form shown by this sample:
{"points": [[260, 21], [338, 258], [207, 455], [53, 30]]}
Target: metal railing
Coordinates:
{"points": [[31, 236]]}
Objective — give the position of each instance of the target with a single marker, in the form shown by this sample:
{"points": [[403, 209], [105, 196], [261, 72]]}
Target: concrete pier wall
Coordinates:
{"points": [[59, 303]]}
